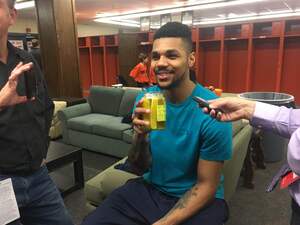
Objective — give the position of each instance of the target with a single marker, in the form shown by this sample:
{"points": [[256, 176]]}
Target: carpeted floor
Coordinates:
{"points": [[247, 207]]}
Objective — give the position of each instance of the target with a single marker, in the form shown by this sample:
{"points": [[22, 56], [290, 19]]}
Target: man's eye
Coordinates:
{"points": [[172, 56], [155, 57]]}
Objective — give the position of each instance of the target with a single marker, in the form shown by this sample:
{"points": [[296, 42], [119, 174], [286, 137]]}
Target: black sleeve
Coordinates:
{"points": [[44, 95]]}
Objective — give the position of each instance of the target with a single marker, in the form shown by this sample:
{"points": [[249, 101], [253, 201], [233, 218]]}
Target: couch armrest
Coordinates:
{"points": [[100, 186], [70, 112], [74, 111], [115, 178], [233, 167]]}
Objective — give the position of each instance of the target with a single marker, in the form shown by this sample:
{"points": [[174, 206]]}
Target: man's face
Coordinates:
{"points": [[7, 17], [171, 61]]}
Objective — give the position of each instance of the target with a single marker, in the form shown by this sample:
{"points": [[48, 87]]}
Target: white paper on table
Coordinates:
{"points": [[8, 205]]}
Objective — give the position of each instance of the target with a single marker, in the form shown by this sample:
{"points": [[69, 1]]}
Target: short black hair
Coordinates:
{"points": [[11, 3], [177, 30]]}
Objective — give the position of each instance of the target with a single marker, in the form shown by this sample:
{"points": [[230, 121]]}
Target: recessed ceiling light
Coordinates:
{"points": [[24, 5]]}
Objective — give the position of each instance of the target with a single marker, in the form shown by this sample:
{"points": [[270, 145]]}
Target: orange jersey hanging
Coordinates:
{"points": [[139, 73]]}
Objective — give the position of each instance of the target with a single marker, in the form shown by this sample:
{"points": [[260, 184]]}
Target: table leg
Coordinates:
{"points": [[78, 170]]}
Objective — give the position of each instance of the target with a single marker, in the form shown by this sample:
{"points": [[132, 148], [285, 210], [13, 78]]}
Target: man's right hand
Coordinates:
{"points": [[233, 108], [8, 94], [140, 126]]}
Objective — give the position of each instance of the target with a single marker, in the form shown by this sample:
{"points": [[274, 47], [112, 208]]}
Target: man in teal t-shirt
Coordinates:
{"points": [[182, 183], [190, 135]]}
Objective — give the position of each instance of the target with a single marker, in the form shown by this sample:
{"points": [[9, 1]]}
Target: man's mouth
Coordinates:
{"points": [[163, 74]]}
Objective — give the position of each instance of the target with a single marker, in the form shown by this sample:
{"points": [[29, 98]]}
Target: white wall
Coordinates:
{"points": [[22, 24], [93, 30], [83, 30]]}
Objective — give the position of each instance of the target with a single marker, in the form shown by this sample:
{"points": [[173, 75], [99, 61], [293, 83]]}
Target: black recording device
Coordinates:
{"points": [[30, 83], [204, 104], [27, 84]]}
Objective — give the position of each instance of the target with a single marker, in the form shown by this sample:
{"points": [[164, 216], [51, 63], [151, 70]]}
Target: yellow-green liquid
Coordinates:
{"points": [[157, 116]]}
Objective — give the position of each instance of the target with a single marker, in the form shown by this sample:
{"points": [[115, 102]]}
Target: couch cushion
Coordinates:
{"points": [[111, 127], [127, 101], [127, 135], [85, 123], [105, 100], [237, 126]]}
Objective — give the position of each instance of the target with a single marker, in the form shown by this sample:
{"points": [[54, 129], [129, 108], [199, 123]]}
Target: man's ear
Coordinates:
{"points": [[192, 59]]}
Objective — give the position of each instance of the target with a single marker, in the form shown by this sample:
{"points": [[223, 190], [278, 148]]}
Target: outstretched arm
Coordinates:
{"points": [[281, 120]]}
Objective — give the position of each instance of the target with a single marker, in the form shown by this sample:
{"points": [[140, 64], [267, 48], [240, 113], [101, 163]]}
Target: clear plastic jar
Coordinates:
{"points": [[156, 103]]}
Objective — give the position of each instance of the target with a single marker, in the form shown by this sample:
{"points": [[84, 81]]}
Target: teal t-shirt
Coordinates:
{"points": [[189, 135]]}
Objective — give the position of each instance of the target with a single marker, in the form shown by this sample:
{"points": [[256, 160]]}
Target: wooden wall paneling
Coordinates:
{"points": [[112, 65], [117, 54], [201, 63], [128, 52], [281, 26], [94, 44], [236, 62], [97, 64], [103, 44], [210, 62], [265, 61], [59, 46], [197, 55], [105, 65], [85, 69], [221, 70], [291, 68], [249, 59]]}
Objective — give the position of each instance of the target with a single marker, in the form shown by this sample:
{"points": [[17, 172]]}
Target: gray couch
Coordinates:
{"points": [[97, 125]]}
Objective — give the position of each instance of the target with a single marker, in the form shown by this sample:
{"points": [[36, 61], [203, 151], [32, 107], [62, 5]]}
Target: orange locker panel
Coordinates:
{"points": [[112, 65], [235, 68], [265, 62], [209, 62], [97, 66], [291, 68], [85, 69]]}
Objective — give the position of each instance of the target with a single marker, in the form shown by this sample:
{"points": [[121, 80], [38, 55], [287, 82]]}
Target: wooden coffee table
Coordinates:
{"points": [[59, 155]]}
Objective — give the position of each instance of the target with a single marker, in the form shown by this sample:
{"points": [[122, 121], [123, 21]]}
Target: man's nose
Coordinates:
{"points": [[162, 61]]}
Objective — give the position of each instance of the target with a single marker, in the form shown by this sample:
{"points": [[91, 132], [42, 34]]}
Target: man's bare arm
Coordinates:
{"points": [[139, 154], [201, 194]]}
